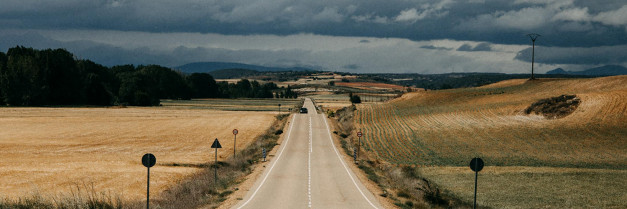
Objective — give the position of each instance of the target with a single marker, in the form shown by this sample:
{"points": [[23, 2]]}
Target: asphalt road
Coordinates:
{"points": [[307, 172]]}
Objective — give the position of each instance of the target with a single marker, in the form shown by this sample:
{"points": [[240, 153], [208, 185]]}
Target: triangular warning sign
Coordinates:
{"points": [[216, 144]]}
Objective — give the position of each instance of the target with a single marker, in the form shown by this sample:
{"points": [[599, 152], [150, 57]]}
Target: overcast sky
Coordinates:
{"points": [[397, 36]]}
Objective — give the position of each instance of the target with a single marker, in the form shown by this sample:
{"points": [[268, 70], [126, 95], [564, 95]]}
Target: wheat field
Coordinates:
{"points": [[441, 131], [54, 151]]}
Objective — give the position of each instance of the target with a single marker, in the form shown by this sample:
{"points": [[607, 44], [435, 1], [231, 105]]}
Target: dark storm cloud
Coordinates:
{"points": [[435, 47], [576, 55], [562, 22], [479, 47]]}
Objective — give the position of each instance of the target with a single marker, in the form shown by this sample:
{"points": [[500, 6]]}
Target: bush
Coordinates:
{"points": [[355, 99], [278, 132]]}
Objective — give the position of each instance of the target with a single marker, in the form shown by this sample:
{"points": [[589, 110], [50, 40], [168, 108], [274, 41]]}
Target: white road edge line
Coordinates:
{"points": [[341, 161], [273, 164], [309, 161]]}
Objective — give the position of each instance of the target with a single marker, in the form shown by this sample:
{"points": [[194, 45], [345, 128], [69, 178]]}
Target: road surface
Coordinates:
{"points": [[307, 172]]}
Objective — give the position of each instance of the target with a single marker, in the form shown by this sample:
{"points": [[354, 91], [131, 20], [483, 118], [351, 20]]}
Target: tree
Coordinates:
{"points": [[98, 83], [202, 85], [354, 98], [169, 84], [137, 89]]}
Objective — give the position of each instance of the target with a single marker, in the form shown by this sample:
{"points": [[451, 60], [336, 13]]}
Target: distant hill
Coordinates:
{"points": [[597, 71], [204, 67], [233, 73]]}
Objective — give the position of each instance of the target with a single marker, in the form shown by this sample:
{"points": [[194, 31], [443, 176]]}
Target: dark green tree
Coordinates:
{"points": [[202, 85]]}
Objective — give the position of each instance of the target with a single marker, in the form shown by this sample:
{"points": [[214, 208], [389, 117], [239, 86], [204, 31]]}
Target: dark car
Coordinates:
{"points": [[303, 110]]}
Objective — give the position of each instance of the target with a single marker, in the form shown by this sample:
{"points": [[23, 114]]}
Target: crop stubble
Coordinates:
{"points": [[575, 161], [53, 150]]}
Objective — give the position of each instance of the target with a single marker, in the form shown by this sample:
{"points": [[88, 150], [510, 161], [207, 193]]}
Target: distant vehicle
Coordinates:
{"points": [[303, 110]]}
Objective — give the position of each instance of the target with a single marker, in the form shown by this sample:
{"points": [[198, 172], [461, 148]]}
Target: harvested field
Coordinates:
{"points": [[371, 86], [443, 129], [428, 128], [234, 104], [54, 150]]}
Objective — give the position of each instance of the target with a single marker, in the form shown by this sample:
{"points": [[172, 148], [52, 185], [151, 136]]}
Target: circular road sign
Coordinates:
{"points": [[359, 134], [149, 160], [476, 164], [235, 131]]}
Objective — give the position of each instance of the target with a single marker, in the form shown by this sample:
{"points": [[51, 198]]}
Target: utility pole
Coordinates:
{"points": [[533, 37]]}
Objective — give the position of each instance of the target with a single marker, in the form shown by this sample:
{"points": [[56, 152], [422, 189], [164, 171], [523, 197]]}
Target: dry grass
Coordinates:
{"points": [[50, 150], [534, 187]]}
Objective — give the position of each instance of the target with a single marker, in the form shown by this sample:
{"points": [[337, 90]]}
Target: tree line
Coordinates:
{"points": [[31, 77]]}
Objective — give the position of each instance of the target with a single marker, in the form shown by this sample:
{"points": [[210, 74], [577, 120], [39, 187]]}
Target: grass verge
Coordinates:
{"points": [[203, 190]]}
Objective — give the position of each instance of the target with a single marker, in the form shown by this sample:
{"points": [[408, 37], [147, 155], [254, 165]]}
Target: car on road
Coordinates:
{"points": [[303, 110]]}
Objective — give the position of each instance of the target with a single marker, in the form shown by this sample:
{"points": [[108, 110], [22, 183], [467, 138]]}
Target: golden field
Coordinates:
{"points": [[53, 150], [526, 155]]}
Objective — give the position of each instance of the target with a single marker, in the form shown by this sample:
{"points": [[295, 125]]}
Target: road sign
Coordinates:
{"points": [[359, 134], [216, 144], [235, 131], [476, 164], [149, 160]]}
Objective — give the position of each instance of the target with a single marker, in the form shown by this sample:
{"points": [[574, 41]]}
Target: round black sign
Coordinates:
{"points": [[476, 164], [149, 160]]}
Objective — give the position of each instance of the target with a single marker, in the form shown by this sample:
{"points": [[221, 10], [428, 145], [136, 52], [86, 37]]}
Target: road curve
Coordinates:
{"points": [[308, 172]]}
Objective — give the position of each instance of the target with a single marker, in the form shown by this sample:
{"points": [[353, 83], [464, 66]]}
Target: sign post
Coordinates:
{"points": [[235, 131], [216, 145], [148, 160], [355, 155], [263, 152], [476, 164], [359, 134]]}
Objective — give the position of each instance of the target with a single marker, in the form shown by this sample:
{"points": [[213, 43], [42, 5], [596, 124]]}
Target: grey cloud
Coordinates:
{"points": [[492, 21], [351, 67], [576, 55], [435, 47], [478, 47]]}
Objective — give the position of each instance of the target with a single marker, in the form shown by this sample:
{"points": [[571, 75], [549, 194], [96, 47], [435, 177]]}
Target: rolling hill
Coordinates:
{"points": [[530, 160], [608, 70]]}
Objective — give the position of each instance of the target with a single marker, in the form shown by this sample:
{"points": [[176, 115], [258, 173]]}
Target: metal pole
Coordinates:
{"points": [[148, 190], [234, 144], [216, 169], [474, 206], [533, 51], [533, 37], [358, 146]]}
